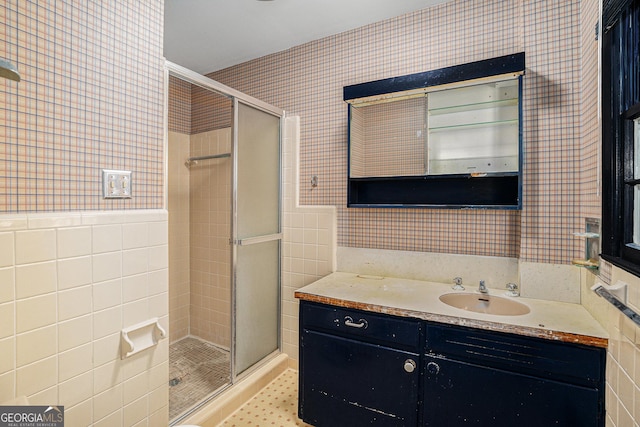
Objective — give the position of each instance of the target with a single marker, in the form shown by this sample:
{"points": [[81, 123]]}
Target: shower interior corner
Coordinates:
{"points": [[199, 206], [224, 237]]}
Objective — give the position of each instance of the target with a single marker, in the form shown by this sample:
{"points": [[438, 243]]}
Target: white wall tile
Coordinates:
{"points": [[75, 390], [135, 236], [111, 420], [158, 398], [107, 375], [36, 279], [7, 355], [139, 363], [35, 246], [135, 261], [160, 353], [7, 319], [60, 318], [107, 322], [106, 349], [158, 281], [36, 344], [158, 257], [134, 287], [158, 233], [157, 418], [45, 396], [74, 362], [54, 220], [7, 284], [7, 249], [7, 386], [107, 266], [107, 294], [158, 375], [135, 412], [36, 312], [74, 302], [135, 312], [36, 377], [80, 414], [135, 387], [74, 242], [75, 332], [106, 238], [74, 272], [158, 305], [107, 402]]}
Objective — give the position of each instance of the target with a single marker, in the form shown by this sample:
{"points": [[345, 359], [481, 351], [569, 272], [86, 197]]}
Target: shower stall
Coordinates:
{"points": [[223, 197]]}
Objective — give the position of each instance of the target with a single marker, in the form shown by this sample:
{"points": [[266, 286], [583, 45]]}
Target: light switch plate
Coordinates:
{"points": [[116, 184]]}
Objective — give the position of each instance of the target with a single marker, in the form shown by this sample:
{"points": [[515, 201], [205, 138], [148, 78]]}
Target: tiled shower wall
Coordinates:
{"points": [[307, 81], [200, 298], [179, 235], [210, 255]]}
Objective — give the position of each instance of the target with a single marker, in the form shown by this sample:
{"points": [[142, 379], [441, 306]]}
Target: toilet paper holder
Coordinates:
{"points": [[140, 336]]}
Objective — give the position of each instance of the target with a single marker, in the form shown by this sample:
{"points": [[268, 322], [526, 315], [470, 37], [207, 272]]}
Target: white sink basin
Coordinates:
{"points": [[481, 303]]}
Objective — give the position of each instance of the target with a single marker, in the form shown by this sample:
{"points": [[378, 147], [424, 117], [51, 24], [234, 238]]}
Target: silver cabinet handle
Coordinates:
{"points": [[348, 321], [410, 365]]}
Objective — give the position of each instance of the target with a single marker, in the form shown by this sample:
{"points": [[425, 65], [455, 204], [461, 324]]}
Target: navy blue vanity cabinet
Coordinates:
{"points": [[481, 378], [358, 368]]}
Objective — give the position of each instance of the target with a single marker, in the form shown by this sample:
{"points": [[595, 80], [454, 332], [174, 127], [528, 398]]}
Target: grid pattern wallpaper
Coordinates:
{"points": [[590, 148], [392, 132], [307, 80], [179, 114], [91, 98], [211, 111], [194, 110]]}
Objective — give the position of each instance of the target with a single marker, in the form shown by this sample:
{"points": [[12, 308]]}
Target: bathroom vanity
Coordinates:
{"points": [[389, 352]]}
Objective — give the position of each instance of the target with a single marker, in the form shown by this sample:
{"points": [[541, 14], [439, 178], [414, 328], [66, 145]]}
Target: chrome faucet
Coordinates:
{"points": [[482, 288]]}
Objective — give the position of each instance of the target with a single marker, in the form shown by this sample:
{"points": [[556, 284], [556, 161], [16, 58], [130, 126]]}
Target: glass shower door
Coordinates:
{"points": [[256, 235]]}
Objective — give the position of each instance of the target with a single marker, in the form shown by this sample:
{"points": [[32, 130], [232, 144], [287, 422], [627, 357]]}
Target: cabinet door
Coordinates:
{"points": [[344, 382], [462, 394]]}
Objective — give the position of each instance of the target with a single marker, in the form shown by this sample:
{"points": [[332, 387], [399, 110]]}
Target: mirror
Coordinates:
{"points": [[406, 147]]}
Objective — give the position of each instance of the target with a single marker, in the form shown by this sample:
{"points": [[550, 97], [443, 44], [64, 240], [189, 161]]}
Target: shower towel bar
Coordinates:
{"points": [[600, 290], [194, 160]]}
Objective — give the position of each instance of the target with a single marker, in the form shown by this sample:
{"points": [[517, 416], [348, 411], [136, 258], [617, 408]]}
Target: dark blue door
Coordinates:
{"points": [[463, 394], [352, 383]]}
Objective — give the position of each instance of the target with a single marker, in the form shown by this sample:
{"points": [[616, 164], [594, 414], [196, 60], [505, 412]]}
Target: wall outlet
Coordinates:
{"points": [[116, 184]]}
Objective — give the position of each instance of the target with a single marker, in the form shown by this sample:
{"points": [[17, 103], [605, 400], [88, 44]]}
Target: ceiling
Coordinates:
{"points": [[209, 35]]}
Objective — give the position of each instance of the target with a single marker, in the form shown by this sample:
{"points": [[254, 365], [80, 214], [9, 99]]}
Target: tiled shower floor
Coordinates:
{"points": [[196, 368], [275, 405]]}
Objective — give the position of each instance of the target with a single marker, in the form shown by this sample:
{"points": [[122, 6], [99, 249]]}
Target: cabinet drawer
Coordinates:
{"points": [[376, 328], [574, 363]]}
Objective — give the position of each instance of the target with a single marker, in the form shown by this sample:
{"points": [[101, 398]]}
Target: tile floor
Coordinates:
{"points": [[275, 405], [196, 369]]}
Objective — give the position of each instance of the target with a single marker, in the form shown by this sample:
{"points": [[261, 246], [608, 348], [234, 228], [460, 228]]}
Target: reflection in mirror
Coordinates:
{"points": [[467, 130]]}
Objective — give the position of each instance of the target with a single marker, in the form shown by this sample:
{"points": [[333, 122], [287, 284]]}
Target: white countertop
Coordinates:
{"points": [[420, 299]]}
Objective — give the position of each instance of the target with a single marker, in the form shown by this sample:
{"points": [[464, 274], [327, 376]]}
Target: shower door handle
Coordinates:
{"points": [[258, 239]]}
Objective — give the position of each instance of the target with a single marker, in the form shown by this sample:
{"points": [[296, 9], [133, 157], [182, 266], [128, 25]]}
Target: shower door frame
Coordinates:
{"points": [[235, 96]]}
